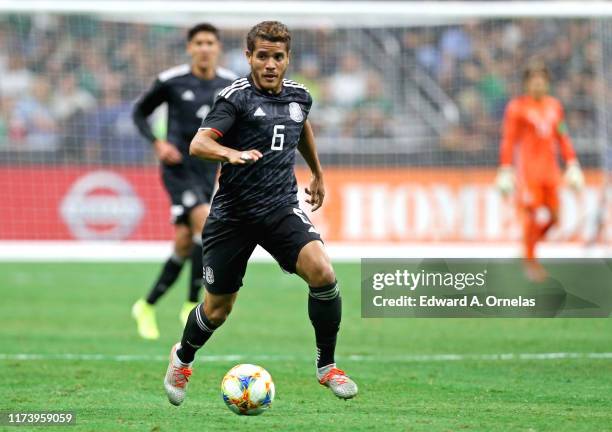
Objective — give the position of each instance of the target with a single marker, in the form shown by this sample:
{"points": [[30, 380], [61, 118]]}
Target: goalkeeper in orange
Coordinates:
{"points": [[534, 133]]}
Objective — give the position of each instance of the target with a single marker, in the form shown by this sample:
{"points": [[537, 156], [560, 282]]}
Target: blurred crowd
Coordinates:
{"points": [[479, 65], [67, 84]]}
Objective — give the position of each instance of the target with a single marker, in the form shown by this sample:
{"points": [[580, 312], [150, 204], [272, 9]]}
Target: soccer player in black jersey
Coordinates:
{"points": [[254, 128], [189, 91]]}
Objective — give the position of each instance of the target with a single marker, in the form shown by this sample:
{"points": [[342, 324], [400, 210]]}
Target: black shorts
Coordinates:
{"points": [[228, 247], [188, 187]]}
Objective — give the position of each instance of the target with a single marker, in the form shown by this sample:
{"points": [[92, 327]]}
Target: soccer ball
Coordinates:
{"points": [[247, 389]]}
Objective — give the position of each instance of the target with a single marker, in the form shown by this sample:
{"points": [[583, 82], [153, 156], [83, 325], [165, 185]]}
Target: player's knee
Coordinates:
{"points": [[182, 241], [321, 273], [183, 248], [314, 266]]}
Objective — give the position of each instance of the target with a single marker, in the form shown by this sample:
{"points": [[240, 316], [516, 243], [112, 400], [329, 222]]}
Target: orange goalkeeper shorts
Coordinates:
{"points": [[538, 195]]}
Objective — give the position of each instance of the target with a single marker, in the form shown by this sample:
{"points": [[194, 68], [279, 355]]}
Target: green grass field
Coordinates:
{"points": [[54, 310]]}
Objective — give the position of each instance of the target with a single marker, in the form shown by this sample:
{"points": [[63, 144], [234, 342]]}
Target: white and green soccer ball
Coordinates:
{"points": [[247, 389]]}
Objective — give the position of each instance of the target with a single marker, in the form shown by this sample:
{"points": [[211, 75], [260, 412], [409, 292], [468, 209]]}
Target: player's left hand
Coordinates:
{"points": [[574, 176], [316, 191], [505, 180]]}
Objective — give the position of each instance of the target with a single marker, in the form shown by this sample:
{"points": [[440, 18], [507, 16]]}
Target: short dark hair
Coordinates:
{"points": [[272, 31], [202, 27], [534, 68]]}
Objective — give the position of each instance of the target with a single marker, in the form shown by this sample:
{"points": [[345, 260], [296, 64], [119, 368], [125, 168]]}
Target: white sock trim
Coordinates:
{"points": [[324, 369], [328, 294], [177, 360]]}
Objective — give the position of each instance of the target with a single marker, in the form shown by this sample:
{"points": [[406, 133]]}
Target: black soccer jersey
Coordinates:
{"points": [[248, 118], [189, 100]]}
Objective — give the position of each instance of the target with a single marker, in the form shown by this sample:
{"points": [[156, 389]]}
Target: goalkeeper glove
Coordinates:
{"points": [[505, 179], [573, 175]]}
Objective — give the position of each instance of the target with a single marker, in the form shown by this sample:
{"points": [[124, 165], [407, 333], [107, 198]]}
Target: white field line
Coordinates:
{"points": [[355, 358]]}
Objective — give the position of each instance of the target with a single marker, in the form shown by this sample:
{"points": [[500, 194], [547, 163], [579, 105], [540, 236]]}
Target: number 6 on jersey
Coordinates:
{"points": [[278, 139]]}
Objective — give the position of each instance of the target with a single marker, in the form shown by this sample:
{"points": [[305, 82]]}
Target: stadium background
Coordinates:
{"points": [[407, 119]]}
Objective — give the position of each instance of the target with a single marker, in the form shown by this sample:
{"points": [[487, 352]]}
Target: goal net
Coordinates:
{"points": [[409, 99]]}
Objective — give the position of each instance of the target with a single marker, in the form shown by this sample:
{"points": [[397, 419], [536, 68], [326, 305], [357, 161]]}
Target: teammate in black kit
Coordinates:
{"points": [[254, 128], [189, 91]]}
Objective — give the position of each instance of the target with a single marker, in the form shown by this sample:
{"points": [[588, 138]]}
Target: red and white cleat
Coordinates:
{"points": [[177, 377], [337, 381]]}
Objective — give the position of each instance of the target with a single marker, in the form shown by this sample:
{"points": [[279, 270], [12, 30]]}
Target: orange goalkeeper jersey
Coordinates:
{"points": [[533, 132]]}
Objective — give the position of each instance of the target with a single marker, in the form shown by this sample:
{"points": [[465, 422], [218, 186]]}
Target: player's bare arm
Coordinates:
{"points": [[165, 151], [308, 150], [205, 146]]}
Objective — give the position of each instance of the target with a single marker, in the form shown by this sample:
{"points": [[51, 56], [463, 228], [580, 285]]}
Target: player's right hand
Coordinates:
{"points": [[505, 180], [237, 157], [167, 153]]}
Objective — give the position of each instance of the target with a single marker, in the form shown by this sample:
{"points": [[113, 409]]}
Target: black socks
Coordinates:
{"points": [[197, 331], [172, 269], [170, 272], [325, 312]]}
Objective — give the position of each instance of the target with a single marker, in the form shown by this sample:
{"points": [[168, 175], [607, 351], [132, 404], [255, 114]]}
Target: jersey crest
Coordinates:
{"points": [[188, 95], [295, 112]]}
